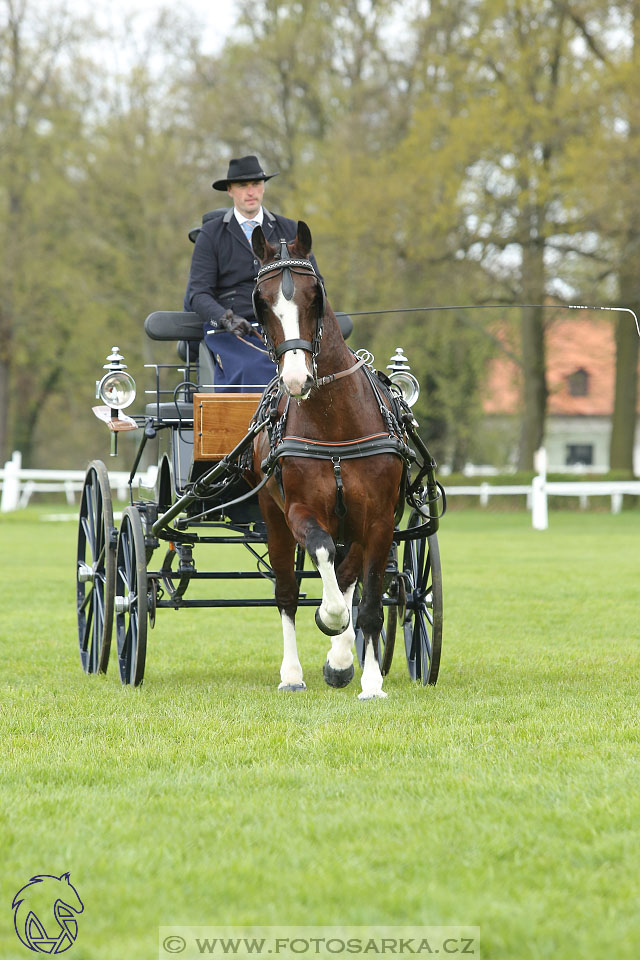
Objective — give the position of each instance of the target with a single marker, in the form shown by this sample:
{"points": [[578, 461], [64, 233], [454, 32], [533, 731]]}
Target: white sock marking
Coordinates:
{"points": [[291, 669], [334, 612], [371, 677], [340, 656]]}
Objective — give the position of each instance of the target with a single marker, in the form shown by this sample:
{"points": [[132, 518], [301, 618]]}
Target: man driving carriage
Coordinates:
{"points": [[223, 271]]}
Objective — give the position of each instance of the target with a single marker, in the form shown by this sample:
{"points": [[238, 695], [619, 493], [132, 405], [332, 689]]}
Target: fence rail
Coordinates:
{"points": [[19, 485], [540, 489]]}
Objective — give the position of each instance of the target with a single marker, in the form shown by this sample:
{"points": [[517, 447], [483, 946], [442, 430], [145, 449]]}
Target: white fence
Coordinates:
{"points": [[538, 492], [18, 485]]}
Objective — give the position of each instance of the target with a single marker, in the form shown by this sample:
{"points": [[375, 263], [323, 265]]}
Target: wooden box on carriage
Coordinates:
{"points": [[220, 421]]}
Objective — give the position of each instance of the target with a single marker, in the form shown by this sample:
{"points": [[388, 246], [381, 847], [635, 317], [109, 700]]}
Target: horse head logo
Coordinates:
{"points": [[44, 913]]}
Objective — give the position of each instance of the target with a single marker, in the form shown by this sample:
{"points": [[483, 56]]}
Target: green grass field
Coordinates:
{"points": [[506, 797]]}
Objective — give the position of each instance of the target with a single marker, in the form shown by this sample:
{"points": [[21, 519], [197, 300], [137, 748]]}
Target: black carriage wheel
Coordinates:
{"points": [[423, 619], [394, 612], [131, 601], [95, 570]]}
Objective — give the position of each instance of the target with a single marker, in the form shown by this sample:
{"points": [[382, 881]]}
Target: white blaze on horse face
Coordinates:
{"points": [[294, 373]]}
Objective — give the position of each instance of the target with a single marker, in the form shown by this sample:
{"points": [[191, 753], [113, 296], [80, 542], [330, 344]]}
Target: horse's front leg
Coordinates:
{"points": [[338, 669], [281, 554], [291, 668], [334, 614]]}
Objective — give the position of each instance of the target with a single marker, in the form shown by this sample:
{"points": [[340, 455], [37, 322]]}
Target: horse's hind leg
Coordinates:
{"points": [[370, 620]]}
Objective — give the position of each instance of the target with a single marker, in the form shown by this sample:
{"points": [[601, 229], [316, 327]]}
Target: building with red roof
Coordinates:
{"points": [[580, 351]]}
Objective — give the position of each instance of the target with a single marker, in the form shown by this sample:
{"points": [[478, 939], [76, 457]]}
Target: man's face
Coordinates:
{"points": [[247, 196]]}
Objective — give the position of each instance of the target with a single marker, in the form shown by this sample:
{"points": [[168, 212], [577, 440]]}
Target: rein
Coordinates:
{"points": [[343, 373]]}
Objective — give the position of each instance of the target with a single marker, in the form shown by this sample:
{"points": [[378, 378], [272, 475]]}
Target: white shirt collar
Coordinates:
{"points": [[258, 218]]}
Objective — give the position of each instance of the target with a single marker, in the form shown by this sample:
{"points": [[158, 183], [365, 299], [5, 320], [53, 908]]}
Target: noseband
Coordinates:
{"points": [[287, 266]]}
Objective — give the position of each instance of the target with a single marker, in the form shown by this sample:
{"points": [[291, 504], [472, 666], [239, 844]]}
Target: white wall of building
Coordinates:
{"points": [[562, 432]]}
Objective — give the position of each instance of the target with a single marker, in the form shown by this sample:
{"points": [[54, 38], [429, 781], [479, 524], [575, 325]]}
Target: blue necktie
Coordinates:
{"points": [[248, 226]]}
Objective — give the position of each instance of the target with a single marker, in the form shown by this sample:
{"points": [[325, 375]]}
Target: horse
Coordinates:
{"points": [[337, 469]]}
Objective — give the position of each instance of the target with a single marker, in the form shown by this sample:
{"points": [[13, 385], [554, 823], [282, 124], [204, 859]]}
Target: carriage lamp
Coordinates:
{"points": [[400, 375], [117, 389]]}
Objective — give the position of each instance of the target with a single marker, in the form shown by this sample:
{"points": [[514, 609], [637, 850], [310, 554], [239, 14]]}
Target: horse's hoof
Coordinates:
{"points": [[380, 695], [337, 678], [327, 630], [292, 687]]}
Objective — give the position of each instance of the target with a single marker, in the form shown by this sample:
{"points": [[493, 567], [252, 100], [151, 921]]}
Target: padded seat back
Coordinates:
{"points": [[180, 411], [173, 325]]}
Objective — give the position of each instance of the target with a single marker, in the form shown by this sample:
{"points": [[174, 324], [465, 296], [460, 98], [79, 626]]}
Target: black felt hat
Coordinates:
{"points": [[242, 169]]}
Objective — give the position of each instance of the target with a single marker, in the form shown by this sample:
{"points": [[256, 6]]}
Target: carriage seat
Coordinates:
{"points": [[211, 215], [183, 326], [175, 325]]}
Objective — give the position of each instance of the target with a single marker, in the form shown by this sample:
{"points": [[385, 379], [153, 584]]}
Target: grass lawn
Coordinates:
{"points": [[506, 797]]}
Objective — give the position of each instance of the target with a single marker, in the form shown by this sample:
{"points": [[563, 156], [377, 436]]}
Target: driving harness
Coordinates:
{"points": [[393, 440]]}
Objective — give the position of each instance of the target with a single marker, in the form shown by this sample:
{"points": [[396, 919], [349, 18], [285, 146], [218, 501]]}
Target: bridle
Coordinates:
{"points": [[287, 266]]}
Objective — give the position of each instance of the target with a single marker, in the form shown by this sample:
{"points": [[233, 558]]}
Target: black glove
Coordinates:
{"points": [[234, 324]]}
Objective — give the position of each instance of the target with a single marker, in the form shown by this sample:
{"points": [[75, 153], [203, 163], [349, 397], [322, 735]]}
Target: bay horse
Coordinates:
{"points": [[337, 469]]}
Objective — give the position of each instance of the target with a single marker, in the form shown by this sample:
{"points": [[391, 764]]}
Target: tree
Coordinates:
{"points": [[623, 426], [40, 126], [528, 101], [602, 187]]}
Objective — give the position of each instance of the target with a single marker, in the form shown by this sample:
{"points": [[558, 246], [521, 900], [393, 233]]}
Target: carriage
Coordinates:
{"points": [[203, 438]]}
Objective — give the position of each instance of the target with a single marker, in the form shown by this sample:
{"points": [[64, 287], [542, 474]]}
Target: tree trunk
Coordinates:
{"points": [[5, 453], [534, 394], [623, 424]]}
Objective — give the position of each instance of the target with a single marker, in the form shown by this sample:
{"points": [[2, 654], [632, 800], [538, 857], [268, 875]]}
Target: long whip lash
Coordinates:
{"points": [[500, 306]]}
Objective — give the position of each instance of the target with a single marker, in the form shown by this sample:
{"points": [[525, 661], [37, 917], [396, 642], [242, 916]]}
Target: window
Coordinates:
{"points": [[578, 383], [579, 453]]}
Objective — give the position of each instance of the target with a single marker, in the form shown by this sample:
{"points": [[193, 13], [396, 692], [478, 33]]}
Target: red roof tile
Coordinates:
{"points": [[581, 342]]}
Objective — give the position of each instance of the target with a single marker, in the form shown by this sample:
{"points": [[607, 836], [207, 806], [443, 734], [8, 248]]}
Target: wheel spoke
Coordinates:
{"points": [[91, 515], [88, 624], [126, 555], [133, 654], [87, 599], [425, 639], [99, 603], [95, 638]]}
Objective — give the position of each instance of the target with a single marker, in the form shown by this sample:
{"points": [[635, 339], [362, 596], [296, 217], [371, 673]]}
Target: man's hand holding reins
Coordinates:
{"points": [[238, 326]]}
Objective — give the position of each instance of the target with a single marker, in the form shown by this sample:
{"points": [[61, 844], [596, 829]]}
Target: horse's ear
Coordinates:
{"points": [[302, 244], [259, 244]]}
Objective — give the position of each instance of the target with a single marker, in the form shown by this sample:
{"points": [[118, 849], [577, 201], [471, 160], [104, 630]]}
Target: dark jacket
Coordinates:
{"points": [[224, 267]]}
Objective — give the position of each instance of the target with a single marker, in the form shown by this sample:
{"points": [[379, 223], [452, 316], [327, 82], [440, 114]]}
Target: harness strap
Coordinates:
{"points": [[293, 345], [377, 443], [341, 507], [343, 373]]}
